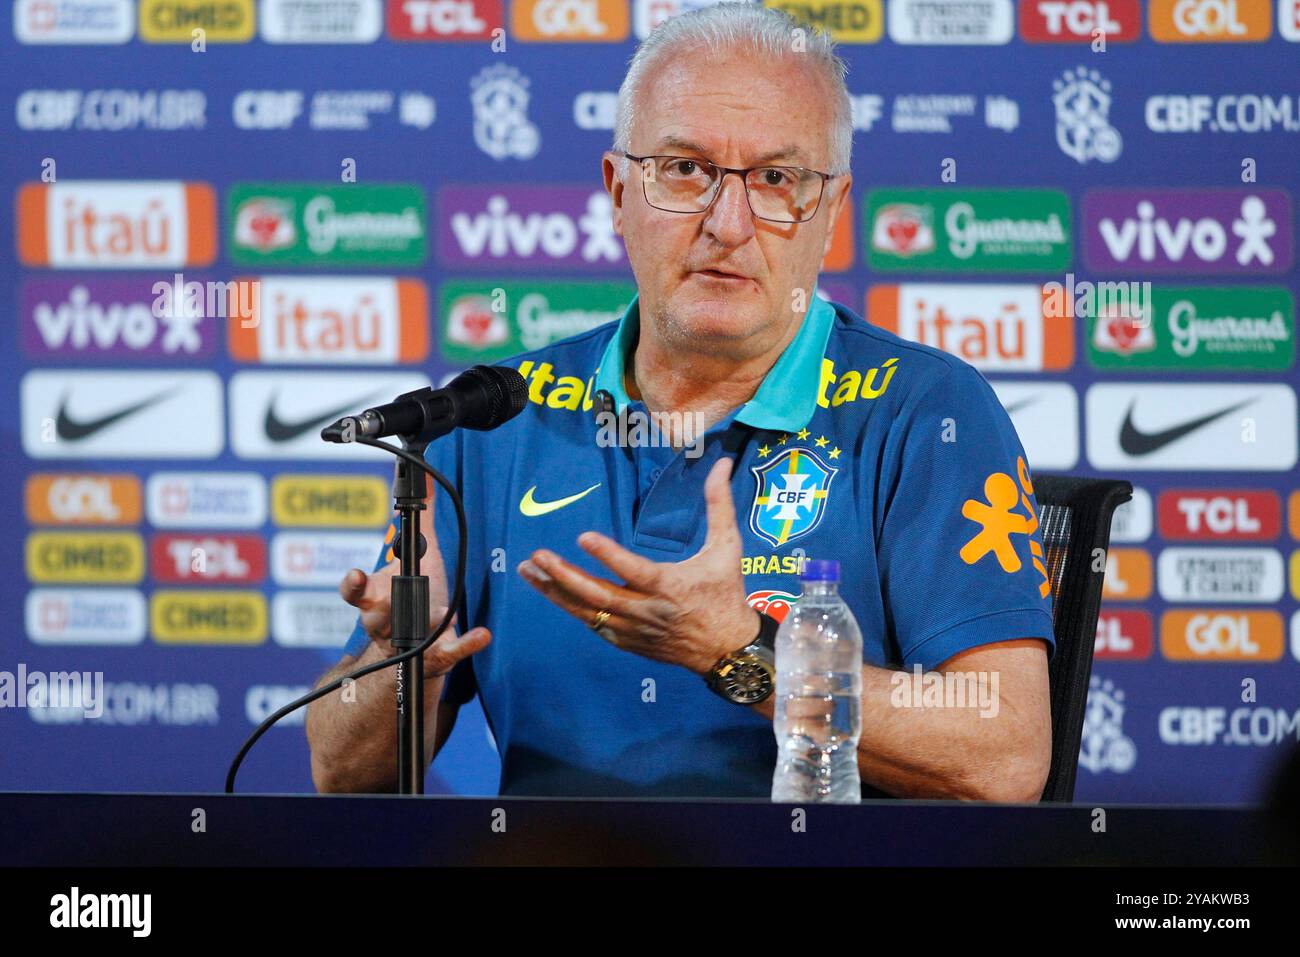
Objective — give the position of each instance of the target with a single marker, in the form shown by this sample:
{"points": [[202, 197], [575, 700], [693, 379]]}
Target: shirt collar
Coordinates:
{"points": [[787, 397]]}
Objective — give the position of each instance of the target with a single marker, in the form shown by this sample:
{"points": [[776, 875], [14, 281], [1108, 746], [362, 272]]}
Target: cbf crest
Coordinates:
{"points": [[1083, 128], [790, 497]]}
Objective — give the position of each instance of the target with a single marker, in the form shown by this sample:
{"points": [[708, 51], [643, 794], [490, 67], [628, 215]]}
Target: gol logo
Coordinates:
{"points": [[1293, 508], [208, 617], [340, 500], [1221, 636], [83, 499], [570, 20], [1210, 21], [1128, 575], [96, 557], [174, 21]]}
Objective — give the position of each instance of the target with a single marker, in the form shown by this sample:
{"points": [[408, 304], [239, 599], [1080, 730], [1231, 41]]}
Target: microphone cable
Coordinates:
{"points": [[455, 600]]}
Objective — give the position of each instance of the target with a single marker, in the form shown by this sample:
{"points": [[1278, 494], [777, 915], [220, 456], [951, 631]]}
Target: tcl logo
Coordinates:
{"points": [[208, 558], [1123, 635], [1220, 515], [444, 19], [1079, 21], [1221, 635]]}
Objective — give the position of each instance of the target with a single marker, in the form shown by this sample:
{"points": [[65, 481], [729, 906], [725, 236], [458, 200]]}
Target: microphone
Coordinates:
{"points": [[480, 398]]}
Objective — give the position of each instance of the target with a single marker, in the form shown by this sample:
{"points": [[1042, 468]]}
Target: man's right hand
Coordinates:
{"points": [[371, 596]]}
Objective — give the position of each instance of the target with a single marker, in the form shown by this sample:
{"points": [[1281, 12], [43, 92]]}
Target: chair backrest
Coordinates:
{"points": [[1074, 523]]}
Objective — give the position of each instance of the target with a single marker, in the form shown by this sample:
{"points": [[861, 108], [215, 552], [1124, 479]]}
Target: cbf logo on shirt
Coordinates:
{"points": [[791, 495]]}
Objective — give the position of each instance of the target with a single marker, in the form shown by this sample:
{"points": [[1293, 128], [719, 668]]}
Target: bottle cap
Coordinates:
{"points": [[821, 570]]}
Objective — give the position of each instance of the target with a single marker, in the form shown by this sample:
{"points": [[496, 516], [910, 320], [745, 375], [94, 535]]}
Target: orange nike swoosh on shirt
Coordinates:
{"points": [[532, 508]]}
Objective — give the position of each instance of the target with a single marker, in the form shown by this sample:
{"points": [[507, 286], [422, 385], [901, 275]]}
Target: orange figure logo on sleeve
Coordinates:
{"points": [[998, 521]]}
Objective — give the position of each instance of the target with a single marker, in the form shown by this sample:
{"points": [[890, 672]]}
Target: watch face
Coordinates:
{"points": [[746, 679]]}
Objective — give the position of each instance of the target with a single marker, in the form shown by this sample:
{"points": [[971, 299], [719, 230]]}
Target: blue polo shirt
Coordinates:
{"points": [[892, 457]]}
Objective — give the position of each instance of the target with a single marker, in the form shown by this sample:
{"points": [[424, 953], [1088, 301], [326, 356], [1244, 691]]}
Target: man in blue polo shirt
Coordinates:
{"points": [[619, 577]]}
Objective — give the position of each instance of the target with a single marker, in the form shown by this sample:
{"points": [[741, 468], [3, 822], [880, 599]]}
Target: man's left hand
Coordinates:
{"points": [[687, 613]]}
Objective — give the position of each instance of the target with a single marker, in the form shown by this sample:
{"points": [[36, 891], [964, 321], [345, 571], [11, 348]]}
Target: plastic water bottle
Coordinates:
{"points": [[818, 695]]}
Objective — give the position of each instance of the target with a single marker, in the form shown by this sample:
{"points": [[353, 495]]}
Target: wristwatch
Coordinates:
{"points": [[748, 676]]}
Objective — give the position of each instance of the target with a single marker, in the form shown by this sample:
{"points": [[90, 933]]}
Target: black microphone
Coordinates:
{"points": [[479, 398]]}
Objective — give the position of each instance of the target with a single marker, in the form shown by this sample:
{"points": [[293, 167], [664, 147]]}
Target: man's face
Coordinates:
{"points": [[724, 277]]}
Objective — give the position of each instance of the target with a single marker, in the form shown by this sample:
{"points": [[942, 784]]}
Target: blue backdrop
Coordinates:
{"points": [[184, 694]]}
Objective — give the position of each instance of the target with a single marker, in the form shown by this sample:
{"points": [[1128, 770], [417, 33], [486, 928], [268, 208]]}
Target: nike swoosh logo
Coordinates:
{"points": [[1015, 407], [532, 508], [278, 430], [70, 430], [1133, 441]]}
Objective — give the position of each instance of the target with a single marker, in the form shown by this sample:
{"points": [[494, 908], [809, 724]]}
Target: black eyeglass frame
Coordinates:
{"points": [[744, 179]]}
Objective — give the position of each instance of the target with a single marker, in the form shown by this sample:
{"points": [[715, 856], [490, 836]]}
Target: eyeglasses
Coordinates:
{"points": [[778, 194]]}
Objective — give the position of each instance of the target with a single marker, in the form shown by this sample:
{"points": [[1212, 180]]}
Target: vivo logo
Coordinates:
{"points": [[1224, 231]]}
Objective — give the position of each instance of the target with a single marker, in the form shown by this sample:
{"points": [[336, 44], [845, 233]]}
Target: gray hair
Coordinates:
{"points": [[744, 25]]}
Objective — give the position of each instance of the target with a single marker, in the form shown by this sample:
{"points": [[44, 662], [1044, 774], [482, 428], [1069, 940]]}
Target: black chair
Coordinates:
{"points": [[1074, 523]]}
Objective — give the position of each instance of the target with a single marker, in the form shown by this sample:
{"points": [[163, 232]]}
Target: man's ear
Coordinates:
{"points": [[837, 205], [614, 186]]}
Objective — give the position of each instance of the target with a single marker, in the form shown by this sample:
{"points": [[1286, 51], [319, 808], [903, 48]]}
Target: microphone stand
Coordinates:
{"points": [[409, 616], [481, 398]]}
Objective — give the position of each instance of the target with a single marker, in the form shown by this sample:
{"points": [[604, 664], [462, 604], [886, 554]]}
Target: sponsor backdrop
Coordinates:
{"points": [[1092, 202]]}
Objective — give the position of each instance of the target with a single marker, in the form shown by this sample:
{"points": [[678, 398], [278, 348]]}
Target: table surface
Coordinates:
{"points": [[117, 829]]}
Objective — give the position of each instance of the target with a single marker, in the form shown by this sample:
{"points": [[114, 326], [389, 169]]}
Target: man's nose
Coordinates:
{"points": [[729, 219]]}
